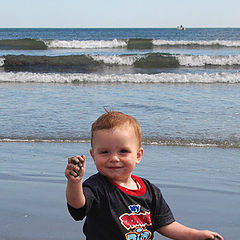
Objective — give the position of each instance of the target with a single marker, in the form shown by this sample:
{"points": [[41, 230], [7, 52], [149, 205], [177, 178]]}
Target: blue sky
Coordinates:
{"points": [[121, 13]]}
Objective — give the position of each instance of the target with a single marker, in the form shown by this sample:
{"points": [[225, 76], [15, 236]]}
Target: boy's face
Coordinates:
{"points": [[116, 152]]}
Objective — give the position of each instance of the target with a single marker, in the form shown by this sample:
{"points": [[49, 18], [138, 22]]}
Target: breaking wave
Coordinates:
{"points": [[208, 61], [197, 44], [78, 78], [79, 63], [138, 43], [132, 43], [90, 44]]}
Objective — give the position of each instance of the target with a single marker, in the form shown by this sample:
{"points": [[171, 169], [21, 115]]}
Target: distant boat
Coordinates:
{"points": [[181, 28]]}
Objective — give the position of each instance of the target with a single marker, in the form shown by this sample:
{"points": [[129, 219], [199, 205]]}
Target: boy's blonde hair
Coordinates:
{"points": [[114, 119]]}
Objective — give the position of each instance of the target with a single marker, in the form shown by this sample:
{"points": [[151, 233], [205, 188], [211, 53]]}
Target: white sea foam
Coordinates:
{"points": [[125, 78], [1, 61], [116, 43], [223, 43], [184, 60], [90, 44], [191, 60], [116, 59]]}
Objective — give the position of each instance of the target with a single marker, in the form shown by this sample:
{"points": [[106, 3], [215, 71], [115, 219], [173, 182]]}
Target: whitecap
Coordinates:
{"points": [[87, 44], [224, 77]]}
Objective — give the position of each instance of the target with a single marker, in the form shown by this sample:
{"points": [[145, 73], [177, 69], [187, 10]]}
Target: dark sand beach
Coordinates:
{"points": [[201, 185]]}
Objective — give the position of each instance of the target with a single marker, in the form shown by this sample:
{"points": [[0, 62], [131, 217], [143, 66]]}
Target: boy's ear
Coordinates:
{"points": [[91, 152], [139, 155]]}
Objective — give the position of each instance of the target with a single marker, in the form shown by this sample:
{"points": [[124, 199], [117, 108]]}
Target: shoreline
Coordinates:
{"points": [[146, 142]]}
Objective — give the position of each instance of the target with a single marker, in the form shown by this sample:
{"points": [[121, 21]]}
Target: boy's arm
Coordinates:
{"points": [[178, 231], [74, 190]]}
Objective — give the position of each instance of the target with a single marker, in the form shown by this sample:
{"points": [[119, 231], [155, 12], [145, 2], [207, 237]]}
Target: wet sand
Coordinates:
{"points": [[201, 185]]}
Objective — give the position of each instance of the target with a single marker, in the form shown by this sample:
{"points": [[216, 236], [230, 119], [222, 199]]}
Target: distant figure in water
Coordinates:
{"points": [[181, 28]]}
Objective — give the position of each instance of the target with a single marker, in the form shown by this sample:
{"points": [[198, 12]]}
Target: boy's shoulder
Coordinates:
{"points": [[145, 180], [94, 177], [152, 189], [96, 181]]}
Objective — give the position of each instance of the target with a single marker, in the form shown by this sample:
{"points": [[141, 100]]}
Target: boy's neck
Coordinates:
{"points": [[131, 184], [137, 189]]}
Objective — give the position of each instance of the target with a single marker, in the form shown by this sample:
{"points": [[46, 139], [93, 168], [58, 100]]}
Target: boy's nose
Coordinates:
{"points": [[114, 158]]}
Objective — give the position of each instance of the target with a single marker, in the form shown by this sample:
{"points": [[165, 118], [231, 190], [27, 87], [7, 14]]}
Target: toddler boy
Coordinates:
{"points": [[118, 205]]}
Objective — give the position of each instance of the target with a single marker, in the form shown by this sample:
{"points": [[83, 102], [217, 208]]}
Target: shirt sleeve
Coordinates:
{"points": [[92, 201], [162, 214], [77, 213]]}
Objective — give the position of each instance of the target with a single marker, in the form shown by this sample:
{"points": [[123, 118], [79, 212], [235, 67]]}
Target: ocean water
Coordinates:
{"points": [[182, 86]]}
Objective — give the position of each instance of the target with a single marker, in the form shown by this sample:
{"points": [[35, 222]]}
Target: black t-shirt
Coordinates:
{"points": [[115, 212]]}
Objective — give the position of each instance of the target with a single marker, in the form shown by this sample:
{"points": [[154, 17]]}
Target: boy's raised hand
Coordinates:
{"points": [[75, 168]]}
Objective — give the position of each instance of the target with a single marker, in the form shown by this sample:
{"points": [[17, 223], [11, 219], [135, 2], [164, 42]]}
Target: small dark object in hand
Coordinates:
{"points": [[215, 238], [79, 164]]}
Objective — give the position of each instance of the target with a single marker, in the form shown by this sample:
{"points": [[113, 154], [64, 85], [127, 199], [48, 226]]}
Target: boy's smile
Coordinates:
{"points": [[115, 153]]}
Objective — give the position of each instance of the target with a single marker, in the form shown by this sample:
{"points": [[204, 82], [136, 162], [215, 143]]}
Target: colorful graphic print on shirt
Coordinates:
{"points": [[136, 222]]}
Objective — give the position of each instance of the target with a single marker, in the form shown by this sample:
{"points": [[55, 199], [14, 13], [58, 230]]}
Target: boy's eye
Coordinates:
{"points": [[123, 151], [104, 152]]}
